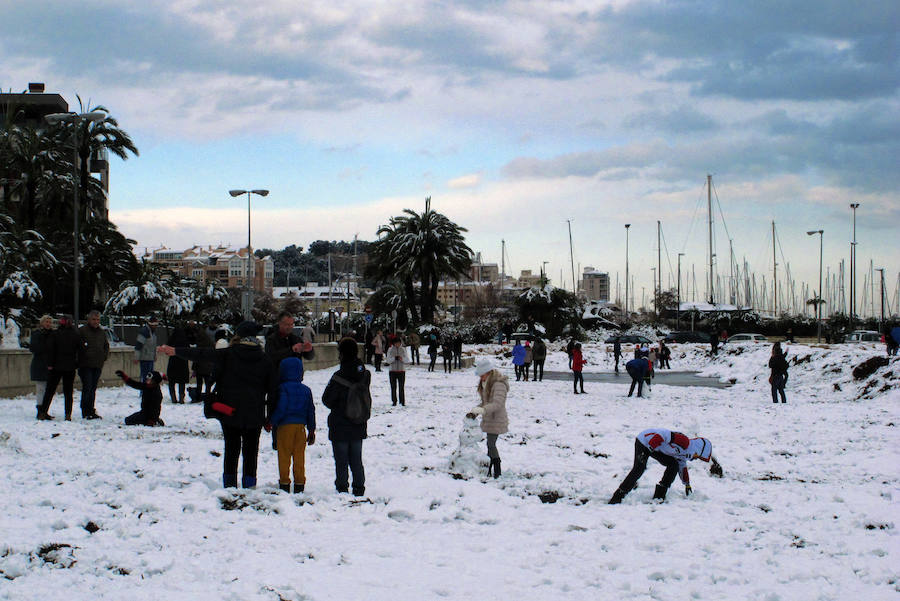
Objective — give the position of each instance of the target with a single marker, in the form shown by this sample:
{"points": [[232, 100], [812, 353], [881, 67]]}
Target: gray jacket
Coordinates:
{"points": [[145, 346]]}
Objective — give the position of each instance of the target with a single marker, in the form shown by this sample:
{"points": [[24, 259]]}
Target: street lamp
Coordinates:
{"points": [[627, 227], [819, 300], [678, 307], [249, 294], [853, 206], [77, 119]]}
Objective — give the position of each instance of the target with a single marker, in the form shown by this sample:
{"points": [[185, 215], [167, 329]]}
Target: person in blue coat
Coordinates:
{"points": [[294, 422], [518, 359], [638, 370]]}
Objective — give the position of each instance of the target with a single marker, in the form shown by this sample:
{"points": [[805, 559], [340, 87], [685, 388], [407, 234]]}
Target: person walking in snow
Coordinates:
{"points": [[493, 387], [378, 344], [457, 351], [447, 353], [247, 385], [151, 399], [518, 359], [638, 369], [62, 359], [673, 450], [346, 435], [38, 344], [397, 360], [293, 424], [578, 363], [664, 353], [413, 341], [432, 351], [617, 352], [539, 353], [779, 372]]}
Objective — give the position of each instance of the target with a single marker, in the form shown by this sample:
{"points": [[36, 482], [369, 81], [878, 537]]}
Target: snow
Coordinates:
{"points": [[807, 508]]}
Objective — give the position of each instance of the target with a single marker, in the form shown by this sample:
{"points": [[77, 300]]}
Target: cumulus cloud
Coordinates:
{"points": [[465, 181]]}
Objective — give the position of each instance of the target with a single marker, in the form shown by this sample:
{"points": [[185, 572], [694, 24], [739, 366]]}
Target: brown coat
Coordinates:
{"points": [[493, 393]]}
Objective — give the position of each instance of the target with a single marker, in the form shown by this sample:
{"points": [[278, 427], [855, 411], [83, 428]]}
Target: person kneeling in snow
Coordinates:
{"points": [[492, 388], [673, 450], [151, 399]]}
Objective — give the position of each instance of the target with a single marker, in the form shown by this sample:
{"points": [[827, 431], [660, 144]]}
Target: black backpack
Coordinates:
{"points": [[358, 406]]}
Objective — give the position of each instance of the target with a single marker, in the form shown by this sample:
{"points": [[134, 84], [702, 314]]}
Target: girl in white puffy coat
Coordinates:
{"points": [[492, 388]]}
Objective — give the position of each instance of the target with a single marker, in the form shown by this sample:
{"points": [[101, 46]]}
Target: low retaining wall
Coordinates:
{"points": [[15, 366]]}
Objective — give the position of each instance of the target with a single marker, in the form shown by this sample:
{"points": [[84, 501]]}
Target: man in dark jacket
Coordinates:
{"points": [[94, 352], [617, 352], [638, 370], [62, 359], [539, 354], [346, 436], [247, 385], [283, 343]]}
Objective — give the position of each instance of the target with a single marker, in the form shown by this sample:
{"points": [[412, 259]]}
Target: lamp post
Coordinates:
{"points": [[678, 306], [627, 227], [819, 299], [249, 293], [77, 119], [853, 206]]}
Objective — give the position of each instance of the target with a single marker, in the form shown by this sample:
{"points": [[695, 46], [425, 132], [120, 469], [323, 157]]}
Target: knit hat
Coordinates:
{"points": [[156, 377], [483, 366], [247, 329], [700, 448]]}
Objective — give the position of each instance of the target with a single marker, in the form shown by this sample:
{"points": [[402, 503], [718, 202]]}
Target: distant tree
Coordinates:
{"points": [[22, 254]]}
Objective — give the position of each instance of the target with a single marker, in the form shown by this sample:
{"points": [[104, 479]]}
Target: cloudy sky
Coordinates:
{"points": [[514, 116]]}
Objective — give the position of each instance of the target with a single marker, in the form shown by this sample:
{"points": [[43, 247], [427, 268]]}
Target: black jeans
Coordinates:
{"points": [[431, 363], [90, 377], [448, 364], [238, 442], [617, 357], [579, 379], [348, 453], [414, 354], [68, 382], [397, 378], [636, 378], [778, 383], [538, 370], [641, 454]]}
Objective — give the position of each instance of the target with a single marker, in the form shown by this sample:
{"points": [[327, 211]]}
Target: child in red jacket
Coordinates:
{"points": [[577, 364]]}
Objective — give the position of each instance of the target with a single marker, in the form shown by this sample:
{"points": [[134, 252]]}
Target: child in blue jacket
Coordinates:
{"points": [[295, 422]]}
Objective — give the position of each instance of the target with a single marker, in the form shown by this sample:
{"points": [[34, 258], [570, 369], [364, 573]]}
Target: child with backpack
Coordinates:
{"points": [[347, 396], [151, 399], [294, 423]]}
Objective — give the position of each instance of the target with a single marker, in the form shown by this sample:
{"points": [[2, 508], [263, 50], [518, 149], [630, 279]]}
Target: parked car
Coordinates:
{"points": [[687, 336], [747, 338], [629, 339], [521, 337], [863, 336]]}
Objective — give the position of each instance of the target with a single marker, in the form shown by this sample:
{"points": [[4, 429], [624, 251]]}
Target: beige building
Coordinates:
{"points": [[595, 284], [529, 280], [483, 272], [226, 265]]}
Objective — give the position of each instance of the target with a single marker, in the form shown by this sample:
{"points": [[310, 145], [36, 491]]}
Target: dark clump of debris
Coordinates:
{"points": [[869, 367]]}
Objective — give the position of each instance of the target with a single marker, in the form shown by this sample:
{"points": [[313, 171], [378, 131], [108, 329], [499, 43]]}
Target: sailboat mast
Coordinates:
{"points": [[774, 275], [572, 257], [709, 214]]}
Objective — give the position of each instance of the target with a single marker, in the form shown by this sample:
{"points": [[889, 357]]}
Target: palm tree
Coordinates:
{"points": [[427, 246], [107, 259], [22, 255]]}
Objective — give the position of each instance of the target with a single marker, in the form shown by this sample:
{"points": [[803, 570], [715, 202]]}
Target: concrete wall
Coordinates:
{"points": [[15, 365]]}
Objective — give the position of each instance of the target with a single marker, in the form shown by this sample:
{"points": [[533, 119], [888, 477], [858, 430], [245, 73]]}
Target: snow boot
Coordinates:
{"points": [[617, 497], [495, 463], [285, 487], [359, 491], [248, 482], [298, 488], [229, 480], [660, 492]]}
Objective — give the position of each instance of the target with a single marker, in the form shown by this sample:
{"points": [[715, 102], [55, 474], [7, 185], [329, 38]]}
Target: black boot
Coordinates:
{"points": [[617, 497], [490, 466], [359, 491], [285, 487], [495, 463], [660, 492], [298, 488]]}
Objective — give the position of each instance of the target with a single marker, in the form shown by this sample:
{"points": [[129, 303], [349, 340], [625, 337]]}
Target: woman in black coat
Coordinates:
{"points": [[346, 436], [778, 377], [62, 360], [178, 370], [247, 385]]}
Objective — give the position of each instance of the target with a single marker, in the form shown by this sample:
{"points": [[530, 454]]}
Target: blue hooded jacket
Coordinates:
{"points": [[295, 400], [518, 354]]}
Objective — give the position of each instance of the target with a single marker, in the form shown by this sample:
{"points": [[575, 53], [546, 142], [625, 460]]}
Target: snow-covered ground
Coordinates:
{"points": [[808, 508]]}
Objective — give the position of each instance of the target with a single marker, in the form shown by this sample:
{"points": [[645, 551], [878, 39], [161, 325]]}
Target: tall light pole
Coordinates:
{"points": [[627, 227], [249, 289], [819, 300], [76, 119], [853, 206], [678, 306]]}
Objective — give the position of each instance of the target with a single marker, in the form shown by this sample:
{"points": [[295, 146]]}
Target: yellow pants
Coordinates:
{"points": [[291, 440]]}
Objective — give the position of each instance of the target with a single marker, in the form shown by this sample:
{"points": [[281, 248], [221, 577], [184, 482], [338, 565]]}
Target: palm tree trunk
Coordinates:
{"points": [[411, 296]]}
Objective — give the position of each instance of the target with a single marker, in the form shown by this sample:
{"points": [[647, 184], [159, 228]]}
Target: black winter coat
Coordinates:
{"points": [[778, 364], [177, 371], [245, 380], [335, 398], [279, 348], [63, 348], [38, 344], [151, 400]]}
